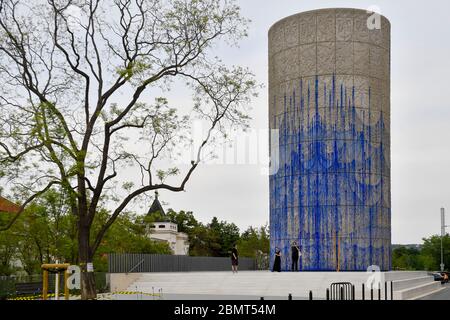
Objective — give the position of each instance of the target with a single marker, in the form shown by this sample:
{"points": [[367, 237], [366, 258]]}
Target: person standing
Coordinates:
{"points": [[234, 259], [295, 255], [277, 262]]}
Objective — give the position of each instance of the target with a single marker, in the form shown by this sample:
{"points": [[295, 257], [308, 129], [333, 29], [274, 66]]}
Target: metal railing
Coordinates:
{"points": [[342, 291], [137, 265]]}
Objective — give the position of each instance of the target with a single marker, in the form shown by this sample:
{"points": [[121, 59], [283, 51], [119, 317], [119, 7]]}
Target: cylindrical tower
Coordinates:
{"points": [[329, 99]]}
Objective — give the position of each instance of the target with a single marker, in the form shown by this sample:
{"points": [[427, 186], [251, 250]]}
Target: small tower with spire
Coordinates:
{"points": [[162, 229], [156, 209]]}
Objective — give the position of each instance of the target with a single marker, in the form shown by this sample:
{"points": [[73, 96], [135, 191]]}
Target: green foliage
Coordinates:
{"points": [[43, 233], [225, 235], [156, 216], [184, 219], [254, 240], [202, 243], [217, 238], [404, 258], [427, 258], [127, 235], [46, 232], [432, 250], [200, 237], [7, 249], [132, 69]]}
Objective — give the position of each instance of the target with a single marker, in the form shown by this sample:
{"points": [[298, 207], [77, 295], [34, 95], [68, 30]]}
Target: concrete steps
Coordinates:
{"points": [[413, 282], [407, 285], [403, 275], [412, 293], [244, 283]]}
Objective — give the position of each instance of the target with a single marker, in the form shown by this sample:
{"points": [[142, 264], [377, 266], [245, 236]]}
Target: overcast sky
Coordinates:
{"points": [[420, 118]]}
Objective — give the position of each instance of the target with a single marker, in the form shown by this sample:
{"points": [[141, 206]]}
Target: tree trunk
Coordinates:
{"points": [[88, 290]]}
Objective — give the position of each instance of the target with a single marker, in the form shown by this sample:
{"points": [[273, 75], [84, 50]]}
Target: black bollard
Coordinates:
{"points": [[290, 296], [385, 291], [371, 292], [392, 290], [353, 292], [310, 295], [363, 292], [328, 294], [379, 291]]}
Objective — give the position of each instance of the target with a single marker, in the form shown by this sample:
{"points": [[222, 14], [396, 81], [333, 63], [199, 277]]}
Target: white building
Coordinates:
{"points": [[168, 231], [163, 230]]}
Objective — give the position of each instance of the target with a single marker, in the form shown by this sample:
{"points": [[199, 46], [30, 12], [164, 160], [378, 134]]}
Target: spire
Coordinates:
{"points": [[156, 207]]}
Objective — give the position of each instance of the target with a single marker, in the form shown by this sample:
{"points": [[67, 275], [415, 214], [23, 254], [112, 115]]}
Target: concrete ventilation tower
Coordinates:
{"points": [[329, 97]]}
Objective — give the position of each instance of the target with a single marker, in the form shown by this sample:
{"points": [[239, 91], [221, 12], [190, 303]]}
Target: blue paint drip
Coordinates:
{"points": [[328, 192]]}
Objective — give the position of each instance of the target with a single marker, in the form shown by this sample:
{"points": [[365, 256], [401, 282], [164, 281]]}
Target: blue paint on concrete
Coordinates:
{"points": [[331, 193]]}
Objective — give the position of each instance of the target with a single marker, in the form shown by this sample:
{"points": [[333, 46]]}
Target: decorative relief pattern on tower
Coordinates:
{"points": [[329, 98]]}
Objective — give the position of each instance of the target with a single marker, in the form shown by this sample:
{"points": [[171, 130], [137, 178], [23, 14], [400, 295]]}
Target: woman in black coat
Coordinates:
{"points": [[277, 263], [234, 259]]}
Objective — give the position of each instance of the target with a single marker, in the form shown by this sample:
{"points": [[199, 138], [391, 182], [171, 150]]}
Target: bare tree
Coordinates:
{"points": [[76, 76]]}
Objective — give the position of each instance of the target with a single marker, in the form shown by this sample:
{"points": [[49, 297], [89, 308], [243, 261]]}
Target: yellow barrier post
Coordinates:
{"points": [[45, 285], [58, 267], [66, 288]]}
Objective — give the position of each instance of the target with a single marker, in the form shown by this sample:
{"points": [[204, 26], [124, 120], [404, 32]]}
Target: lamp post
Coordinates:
{"points": [[442, 238]]}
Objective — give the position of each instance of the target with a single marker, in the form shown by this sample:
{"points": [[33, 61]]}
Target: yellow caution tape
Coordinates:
{"points": [[133, 293], [52, 295]]}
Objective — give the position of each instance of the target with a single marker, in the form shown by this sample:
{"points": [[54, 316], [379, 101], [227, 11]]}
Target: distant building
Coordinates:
{"points": [[8, 207], [161, 229], [8, 210]]}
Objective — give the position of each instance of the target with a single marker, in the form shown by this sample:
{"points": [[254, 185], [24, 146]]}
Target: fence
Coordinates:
{"points": [[127, 263]]}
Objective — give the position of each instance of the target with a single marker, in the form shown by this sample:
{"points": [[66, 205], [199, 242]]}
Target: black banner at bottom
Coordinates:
{"points": [[199, 310]]}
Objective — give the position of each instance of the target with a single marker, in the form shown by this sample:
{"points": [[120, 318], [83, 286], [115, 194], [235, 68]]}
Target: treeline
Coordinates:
{"points": [[217, 237], [426, 257], [46, 232]]}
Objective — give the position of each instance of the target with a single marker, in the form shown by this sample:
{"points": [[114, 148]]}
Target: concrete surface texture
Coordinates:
{"points": [[121, 281], [274, 285], [443, 294], [329, 98]]}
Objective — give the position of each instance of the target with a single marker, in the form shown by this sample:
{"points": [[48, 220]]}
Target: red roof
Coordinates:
{"points": [[7, 206]]}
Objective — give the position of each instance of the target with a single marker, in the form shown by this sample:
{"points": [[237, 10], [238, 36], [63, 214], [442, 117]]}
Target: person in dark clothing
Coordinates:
{"points": [[234, 259], [277, 262], [295, 255]]}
